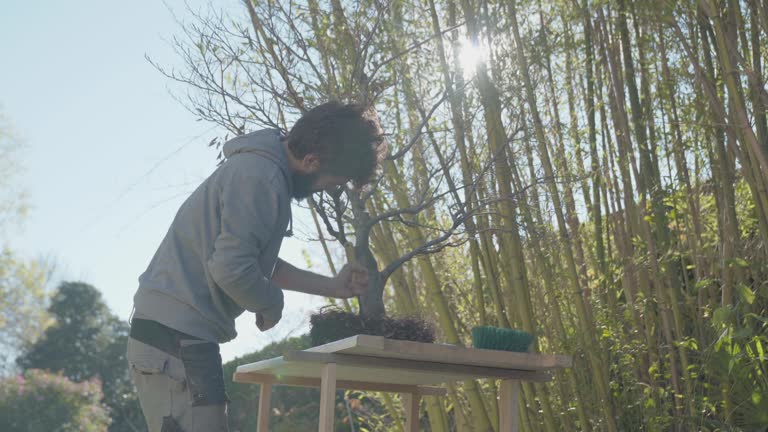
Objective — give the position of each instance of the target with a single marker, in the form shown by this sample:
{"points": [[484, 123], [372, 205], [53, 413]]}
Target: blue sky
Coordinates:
{"points": [[108, 154]]}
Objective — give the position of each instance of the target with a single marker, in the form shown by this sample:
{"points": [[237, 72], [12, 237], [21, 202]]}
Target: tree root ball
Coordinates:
{"points": [[332, 325]]}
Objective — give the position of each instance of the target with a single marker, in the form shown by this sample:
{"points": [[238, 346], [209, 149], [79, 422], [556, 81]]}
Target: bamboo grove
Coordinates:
{"points": [[612, 156]]}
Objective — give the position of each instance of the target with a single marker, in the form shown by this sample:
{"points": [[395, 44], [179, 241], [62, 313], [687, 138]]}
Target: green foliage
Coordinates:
{"points": [[738, 360], [727, 356], [71, 344], [88, 341], [22, 305], [23, 293], [40, 401]]}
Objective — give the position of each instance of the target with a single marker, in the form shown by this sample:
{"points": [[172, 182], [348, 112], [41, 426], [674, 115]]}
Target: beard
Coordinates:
{"points": [[303, 185]]}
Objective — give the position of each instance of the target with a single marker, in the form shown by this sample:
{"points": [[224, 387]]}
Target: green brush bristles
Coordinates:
{"points": [[501, 339]]}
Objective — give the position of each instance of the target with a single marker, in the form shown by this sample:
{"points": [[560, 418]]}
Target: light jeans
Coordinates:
{"points": [[174, 398]]}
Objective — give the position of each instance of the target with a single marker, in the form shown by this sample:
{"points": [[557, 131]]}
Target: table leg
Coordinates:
{"points": [[411, 402], [509, 400], [327, 397], [265, 404]]}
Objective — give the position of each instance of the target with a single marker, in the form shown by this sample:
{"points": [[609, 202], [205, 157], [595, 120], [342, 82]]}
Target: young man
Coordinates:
{"points": [[219, 258]]}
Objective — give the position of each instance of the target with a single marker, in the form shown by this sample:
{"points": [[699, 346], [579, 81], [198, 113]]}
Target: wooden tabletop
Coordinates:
{"points": [[392, 365]]}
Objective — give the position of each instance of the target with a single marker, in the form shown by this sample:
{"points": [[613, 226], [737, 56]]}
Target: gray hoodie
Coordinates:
{"points": [[218, 255]]}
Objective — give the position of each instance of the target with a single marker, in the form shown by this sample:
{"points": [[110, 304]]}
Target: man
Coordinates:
{"points": [[219, 258]]}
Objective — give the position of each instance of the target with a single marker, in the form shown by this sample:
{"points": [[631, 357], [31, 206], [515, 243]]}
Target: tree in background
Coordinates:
{"points": [[40, 401], [13, 204], [88, 341], [23, 283], [23, 296]]}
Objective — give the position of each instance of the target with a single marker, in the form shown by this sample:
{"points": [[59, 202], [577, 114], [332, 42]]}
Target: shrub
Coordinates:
{"points": [[40, 401]]}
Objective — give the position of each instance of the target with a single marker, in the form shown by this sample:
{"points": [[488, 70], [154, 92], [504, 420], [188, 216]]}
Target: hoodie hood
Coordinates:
{"points": [[260, 141], [266, 143]]}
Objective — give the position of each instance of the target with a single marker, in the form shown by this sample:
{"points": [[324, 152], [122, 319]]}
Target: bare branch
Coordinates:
{"points": [[459, 218], [411, 48], [425, 120], [432, 246]]}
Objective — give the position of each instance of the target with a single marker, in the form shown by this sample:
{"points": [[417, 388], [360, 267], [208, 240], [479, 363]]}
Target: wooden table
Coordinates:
{"points": [[411, 368]]}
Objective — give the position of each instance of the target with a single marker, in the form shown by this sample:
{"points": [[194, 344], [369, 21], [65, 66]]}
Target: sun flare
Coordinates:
{"points": [[470, 55]]}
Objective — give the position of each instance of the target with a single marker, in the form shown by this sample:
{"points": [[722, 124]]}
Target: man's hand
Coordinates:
{"points": [[267, 319], [351, 281]]}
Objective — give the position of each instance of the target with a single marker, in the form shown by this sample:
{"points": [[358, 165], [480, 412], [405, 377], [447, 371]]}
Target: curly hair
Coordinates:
{"points": [[347, 138]]}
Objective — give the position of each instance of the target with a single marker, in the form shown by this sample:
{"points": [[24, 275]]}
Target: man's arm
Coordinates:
{"points": [[248, 215], [351, 281]]}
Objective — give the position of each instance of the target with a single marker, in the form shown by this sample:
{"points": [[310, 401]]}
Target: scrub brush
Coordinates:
{"points": [[502, 339]]}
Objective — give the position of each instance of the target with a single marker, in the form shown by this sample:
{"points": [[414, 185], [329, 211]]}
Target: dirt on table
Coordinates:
{"points": [[332, 325]]}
